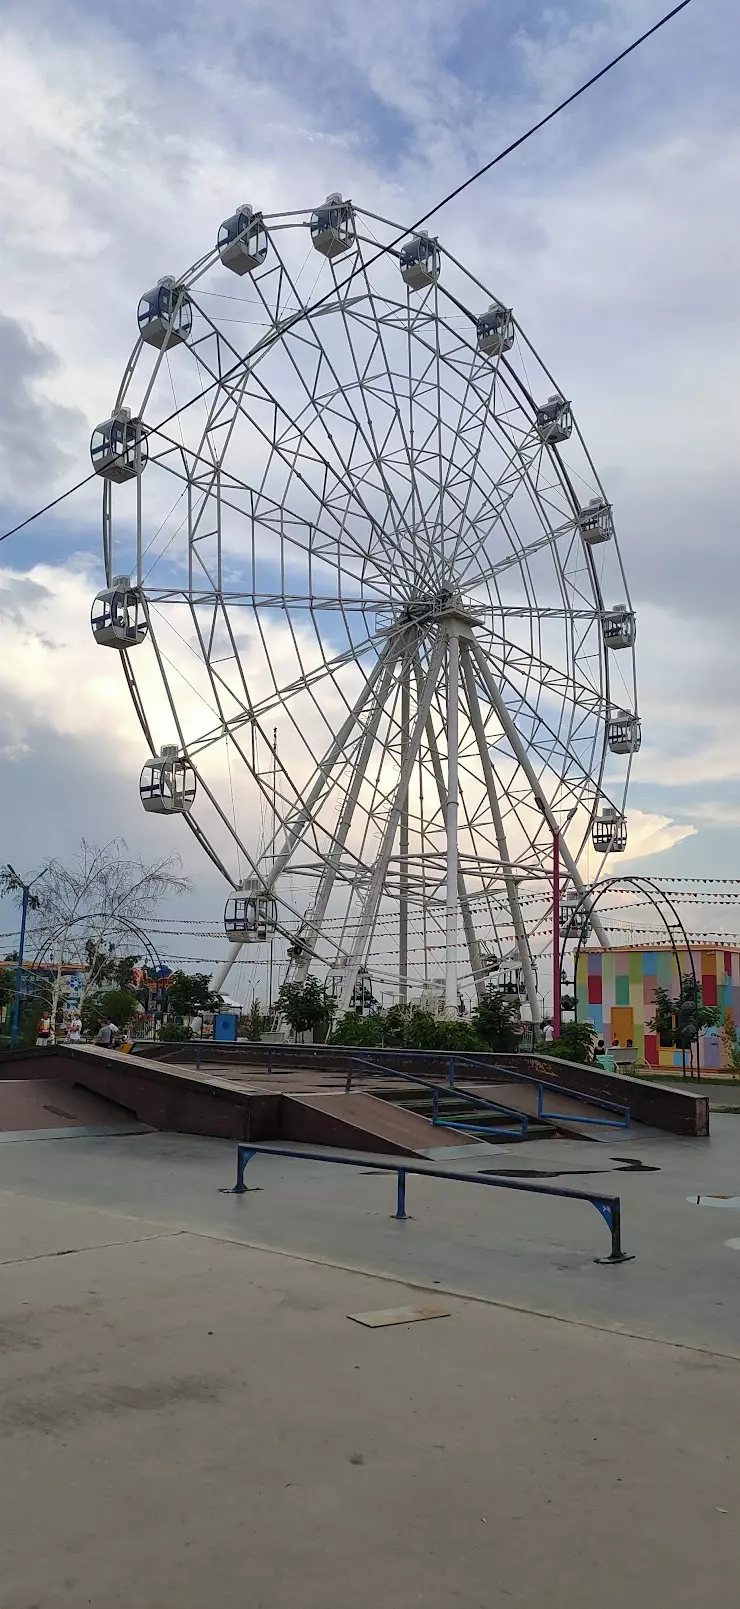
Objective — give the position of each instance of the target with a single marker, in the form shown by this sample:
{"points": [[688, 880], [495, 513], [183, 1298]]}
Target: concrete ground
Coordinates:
{"points": [[189, 1416]]}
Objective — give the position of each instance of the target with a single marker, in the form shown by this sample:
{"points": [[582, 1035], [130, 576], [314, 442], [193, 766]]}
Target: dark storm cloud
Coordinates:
{"points": [[33, 430]]}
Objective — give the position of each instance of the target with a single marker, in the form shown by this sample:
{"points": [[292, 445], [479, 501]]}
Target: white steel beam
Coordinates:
{"points": [[512, 892], [378, 876], [539, 798]]}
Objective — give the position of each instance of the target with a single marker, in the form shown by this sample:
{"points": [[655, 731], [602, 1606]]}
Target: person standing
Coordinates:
{"points": [[74, 1031], [548, 1033]]}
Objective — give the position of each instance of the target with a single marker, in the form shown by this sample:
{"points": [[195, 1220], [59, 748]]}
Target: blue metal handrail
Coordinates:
{"points": [[516, 1076], [437, 1089], [608, 1207], [573, 1094]]}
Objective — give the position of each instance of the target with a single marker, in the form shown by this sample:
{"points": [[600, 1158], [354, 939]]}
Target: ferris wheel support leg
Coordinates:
{"points": [[222, 972], [295, 827], [476, 964], [533, 780], [316, 916], [512, 892], [403, 849], [380, 869], [451, 821]]}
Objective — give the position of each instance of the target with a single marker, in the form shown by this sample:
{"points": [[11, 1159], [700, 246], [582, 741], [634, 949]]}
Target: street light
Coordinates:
{"points": [[10, 882], [556, 978]]}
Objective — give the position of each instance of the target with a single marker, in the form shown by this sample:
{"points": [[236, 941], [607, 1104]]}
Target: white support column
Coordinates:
{"points": [[222, 971], [315, 917], [512, 892], [403, 848], [476, 965], [302, 816], [451, 818], [380, 869], [295, 827], [533, 780]]}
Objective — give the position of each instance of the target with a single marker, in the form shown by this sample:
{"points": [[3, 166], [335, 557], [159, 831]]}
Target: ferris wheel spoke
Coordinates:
{"points": [[538, 795], [375, 885], [510, 884]]}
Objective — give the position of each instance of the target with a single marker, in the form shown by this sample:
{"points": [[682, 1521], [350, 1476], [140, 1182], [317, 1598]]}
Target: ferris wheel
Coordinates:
{"points": [[346, 503]]}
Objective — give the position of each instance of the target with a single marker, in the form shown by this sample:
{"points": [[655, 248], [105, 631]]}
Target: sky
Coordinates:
{"points": [[127, 133]]}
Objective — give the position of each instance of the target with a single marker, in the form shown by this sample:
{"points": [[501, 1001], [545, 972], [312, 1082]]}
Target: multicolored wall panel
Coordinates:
{"points": [[616, 991]]}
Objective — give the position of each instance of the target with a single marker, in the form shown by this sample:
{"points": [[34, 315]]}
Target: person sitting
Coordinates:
{"points": [[107, 1035]]}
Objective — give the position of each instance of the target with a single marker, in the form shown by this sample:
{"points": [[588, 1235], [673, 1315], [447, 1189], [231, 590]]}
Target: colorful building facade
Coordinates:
{"points": [[616, 992]]}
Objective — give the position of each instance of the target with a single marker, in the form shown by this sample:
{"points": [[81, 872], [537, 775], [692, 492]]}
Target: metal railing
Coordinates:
{"points": [[608, 1207], [621, 1119], [478, 1101]]}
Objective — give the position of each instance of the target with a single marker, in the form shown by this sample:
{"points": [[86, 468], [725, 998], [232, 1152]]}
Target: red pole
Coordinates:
{"points": [[556, 933]]}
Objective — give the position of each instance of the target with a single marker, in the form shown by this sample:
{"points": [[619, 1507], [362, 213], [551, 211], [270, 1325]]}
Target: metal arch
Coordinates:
{"points": [[92, 916], [655, 895]]}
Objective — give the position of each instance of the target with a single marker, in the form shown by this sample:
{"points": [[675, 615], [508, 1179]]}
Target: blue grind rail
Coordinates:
{"points": [[621, 1119], [608, 1207]]}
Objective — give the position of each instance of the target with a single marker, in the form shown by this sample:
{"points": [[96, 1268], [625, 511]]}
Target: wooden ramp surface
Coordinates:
{"points": [[364, 1123]]}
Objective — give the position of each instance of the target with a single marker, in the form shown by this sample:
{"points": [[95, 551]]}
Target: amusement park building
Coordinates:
{"points": [[616, 990]]}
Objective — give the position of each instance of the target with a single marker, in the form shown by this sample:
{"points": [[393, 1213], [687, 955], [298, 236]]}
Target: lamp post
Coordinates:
{"points": [[11, 882], [556, 830]]}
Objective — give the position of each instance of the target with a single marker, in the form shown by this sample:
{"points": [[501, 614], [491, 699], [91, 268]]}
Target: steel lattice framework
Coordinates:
{"points": [[349, 523]]}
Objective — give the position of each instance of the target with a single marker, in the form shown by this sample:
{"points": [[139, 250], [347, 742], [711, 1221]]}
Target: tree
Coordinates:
{"points": [[305, 1007], [364, 1033], [679, 1022], [494, 1020], [112, 1005], [189, 992], [575, 1043], [84, 912], [730, 1042], [256, 1022]]}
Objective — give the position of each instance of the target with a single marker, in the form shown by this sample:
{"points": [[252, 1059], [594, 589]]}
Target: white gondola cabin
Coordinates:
{"points": [[624, 733], [167, 783], [333, 226], [118, 447], [595, 522], [554, 421], [609, 832], [118, 617], [620, 627], [495, 330], [419, 261], [250, 916], [574, 915], [242, 241], [363, 1001], [509, 981], [165, 314]]}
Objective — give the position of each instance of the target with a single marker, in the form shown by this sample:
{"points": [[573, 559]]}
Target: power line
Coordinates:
{"points": [[451, 196], [47, 506]]}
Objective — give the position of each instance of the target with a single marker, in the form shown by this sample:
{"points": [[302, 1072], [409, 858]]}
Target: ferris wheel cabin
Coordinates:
{"points": [[624, 733], [115, 446], [242, 241], [167, 783], [333, 226], [419, 262], [165, 314], [554, 421], [595, 522], [118, 617], [620, 627], [609, 832], [250, 916], [495, 330]]}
